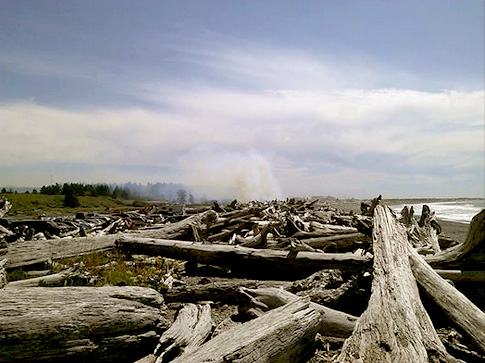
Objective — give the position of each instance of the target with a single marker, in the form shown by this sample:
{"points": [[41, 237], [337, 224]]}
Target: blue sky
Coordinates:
{"points": [[251, 99]]}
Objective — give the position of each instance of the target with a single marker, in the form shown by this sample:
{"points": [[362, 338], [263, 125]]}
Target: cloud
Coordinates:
{"points": [[318, 125]]}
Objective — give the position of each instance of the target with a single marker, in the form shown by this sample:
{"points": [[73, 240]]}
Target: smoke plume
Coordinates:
{"points": [[220, 174]]}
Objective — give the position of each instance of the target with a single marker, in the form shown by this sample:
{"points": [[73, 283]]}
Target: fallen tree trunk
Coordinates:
{"points": [[469, 318], [190, 329], [333, 323], [470, 252], [59, 324], [223, 291], [244, 261], [56, 279], [283, 335], [395, 327], [30, 254], [191, 228], [342, 242]]}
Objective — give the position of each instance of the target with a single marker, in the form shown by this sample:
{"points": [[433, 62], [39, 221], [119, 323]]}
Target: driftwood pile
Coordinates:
{"points": [[262, 282]]}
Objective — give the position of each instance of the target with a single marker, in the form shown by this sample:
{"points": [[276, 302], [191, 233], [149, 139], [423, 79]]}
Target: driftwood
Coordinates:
{"points": [[395, 327], [340, 243], [191, 328], [29, 254], [462, 276], [223, 290], [59, 324], [56, 279], [245, 261], [283, 335], [332, 322], [466, 254], [469, 318], [256, 241], [191, 228], [3, 273]]}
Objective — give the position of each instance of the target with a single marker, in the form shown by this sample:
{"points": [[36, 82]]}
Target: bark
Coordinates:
{"points": [[191, 328], [245, 261], [469, 318], [465, 254], [395, 327], [59, 324], [283, 335], [332, 322]]}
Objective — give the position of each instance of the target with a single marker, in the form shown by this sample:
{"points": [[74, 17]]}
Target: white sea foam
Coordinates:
{"points": [[455, 211]]}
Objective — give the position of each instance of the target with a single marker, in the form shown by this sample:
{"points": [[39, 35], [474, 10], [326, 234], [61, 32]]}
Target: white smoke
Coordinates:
{"points": [[221, 174]]}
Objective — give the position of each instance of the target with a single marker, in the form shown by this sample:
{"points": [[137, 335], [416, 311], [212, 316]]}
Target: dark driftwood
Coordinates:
{"points": [[332, 322], [461, 254], [190, 329], [395, 327], [283, 335], [469, 318], [246, 261], [71, 324]]}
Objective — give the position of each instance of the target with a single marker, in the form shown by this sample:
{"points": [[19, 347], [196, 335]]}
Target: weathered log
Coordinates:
{"points": [[256, 241], [56, 279], [190, 329], [3, 273], [59, 324], [190, 228], [283, 335], [259, 301], [395, 327], [245, 261], [457, 307], [466, 254], [222, 290], [28, 254], [337, 243], [429, 228]]}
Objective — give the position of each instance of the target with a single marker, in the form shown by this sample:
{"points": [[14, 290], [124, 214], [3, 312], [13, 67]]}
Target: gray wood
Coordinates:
{"points": [[190, 329], [395, 327], [59, 324], [469, 318], [247, 262], [282, 335]]}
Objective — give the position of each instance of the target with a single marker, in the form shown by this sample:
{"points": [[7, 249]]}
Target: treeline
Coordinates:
{"points": [[158, 191]]}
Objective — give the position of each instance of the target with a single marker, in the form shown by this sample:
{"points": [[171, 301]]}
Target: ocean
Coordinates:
{"points": [[455, 211]]}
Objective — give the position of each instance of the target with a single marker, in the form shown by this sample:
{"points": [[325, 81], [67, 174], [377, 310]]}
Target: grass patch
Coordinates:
{"points": [[17, 274], [115, 268], [34, 205]]}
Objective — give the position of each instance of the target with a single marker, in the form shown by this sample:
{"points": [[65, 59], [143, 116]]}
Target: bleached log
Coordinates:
{"points": [[62, 324], [256, 241], [283, 335], [190, 228], [341, 242], [50, 280], [332, 322], [190, 329], [28, 254], [468, 317], [461, 254], [243, 261], [395, 327]]}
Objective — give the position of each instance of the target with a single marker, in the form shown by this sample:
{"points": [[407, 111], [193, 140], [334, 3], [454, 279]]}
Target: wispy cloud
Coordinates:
{"points": [[331, 126]]}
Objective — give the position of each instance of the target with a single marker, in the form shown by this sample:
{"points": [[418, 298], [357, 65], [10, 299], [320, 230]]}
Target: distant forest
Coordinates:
{"points": [[159, 191]]}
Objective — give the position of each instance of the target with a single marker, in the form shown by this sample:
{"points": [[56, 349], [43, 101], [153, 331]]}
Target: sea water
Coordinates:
{"points": [[456, 211]]}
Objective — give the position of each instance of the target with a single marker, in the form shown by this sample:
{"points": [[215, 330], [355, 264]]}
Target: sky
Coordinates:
{"points": [[251, 99]]}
